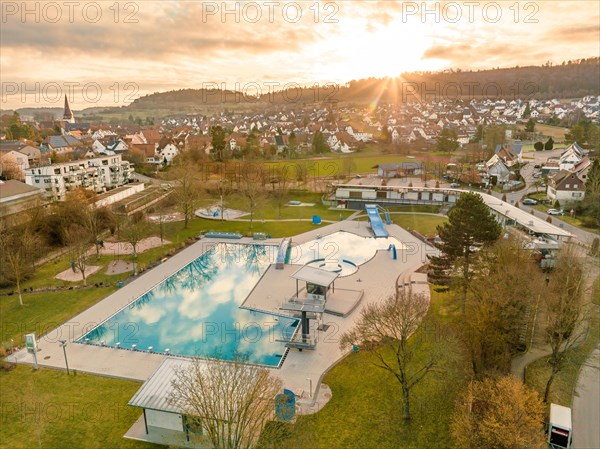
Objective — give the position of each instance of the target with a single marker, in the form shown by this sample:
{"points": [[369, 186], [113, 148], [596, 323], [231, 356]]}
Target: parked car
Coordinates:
{"points": [[537, 166], [555, 212], [537, 175], [454, 185], [529, 202]]}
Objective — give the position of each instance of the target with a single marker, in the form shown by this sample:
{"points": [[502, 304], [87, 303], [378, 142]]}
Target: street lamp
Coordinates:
{"points": [[63, 344]]}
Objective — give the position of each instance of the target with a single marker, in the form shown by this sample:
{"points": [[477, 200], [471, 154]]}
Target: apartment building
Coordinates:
{"points": [[98, 174]]}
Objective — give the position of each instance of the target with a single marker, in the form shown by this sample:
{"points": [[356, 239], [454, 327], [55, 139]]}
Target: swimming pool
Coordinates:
{"points": [[341, 252], [195, 311]]}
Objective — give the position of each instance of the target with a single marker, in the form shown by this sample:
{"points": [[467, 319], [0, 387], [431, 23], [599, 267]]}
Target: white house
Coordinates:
{"points": [[565, 187], [167, 153], [395, 137], [496, 168], [98, 147], [570, 158], [117, 146]]}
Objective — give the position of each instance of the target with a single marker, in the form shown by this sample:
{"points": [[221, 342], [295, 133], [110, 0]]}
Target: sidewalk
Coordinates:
{"points": [[586, 404]]}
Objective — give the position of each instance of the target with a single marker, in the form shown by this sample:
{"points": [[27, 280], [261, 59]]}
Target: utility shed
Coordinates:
{"points": [[163, 421]]}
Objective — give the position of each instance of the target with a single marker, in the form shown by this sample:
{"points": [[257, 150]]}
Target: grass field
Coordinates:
{"points": [[42, 312], [365, 410], [337, 165], [48, 409], [556, 132], [424, 224]]}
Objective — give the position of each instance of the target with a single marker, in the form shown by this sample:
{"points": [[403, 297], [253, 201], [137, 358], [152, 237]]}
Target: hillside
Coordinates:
{"points": [[571, 80]]}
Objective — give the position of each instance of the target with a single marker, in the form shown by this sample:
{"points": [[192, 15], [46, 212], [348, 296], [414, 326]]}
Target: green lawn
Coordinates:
{"points": [[48, 409], [423, 208], [337, 165], [424, 224], [577, 222], [270, 210], [365, 410], [43, 312]]}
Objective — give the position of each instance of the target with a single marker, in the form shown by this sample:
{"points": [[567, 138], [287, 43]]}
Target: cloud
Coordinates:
{"points": [[172, 47]]}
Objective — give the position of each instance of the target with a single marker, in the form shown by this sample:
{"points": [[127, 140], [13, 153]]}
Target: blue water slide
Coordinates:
{"points": [[388, 220], [283, 254], [376, 222]]}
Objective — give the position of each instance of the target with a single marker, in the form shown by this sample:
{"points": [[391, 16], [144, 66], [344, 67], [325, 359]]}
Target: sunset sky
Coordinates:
{"points": [[158, 46]]}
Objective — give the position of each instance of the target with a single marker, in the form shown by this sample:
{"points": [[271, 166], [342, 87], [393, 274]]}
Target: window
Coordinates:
{"points": [[381, 194], [37, 181], [566, 186], [356, 194], [575, 186], [56, 171]]}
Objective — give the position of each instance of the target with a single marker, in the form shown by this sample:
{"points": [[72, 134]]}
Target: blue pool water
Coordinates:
{"points": [[195, 312]]}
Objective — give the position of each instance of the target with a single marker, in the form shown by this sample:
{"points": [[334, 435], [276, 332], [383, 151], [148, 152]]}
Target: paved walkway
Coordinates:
{"points": [[586, 405]]}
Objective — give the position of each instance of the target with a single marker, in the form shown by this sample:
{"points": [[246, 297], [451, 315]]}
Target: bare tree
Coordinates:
{"points": [[386, 326], [231, 401], [565, 310], [506, 285], [17, 249], [251, 190], [96, 220], [134, 230], [78, 241], [187, 191], [224, 189], [279, 188]]}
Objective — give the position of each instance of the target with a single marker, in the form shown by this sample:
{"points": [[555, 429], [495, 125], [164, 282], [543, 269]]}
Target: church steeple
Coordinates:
{"points": [[68, 114]]}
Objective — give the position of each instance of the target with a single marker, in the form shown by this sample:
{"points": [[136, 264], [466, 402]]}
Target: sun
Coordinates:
{"points": [[383, 52]]}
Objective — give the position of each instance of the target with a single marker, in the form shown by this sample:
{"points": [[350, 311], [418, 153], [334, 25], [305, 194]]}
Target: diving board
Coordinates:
{"points": [[376, 222]]}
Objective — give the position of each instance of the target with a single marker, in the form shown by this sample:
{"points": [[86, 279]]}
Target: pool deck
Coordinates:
{"points": [[376, 278], [346, 296]]}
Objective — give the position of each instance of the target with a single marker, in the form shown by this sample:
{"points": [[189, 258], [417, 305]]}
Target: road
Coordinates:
{"points": [[145, 179], [583, 236], [586, 405]]}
